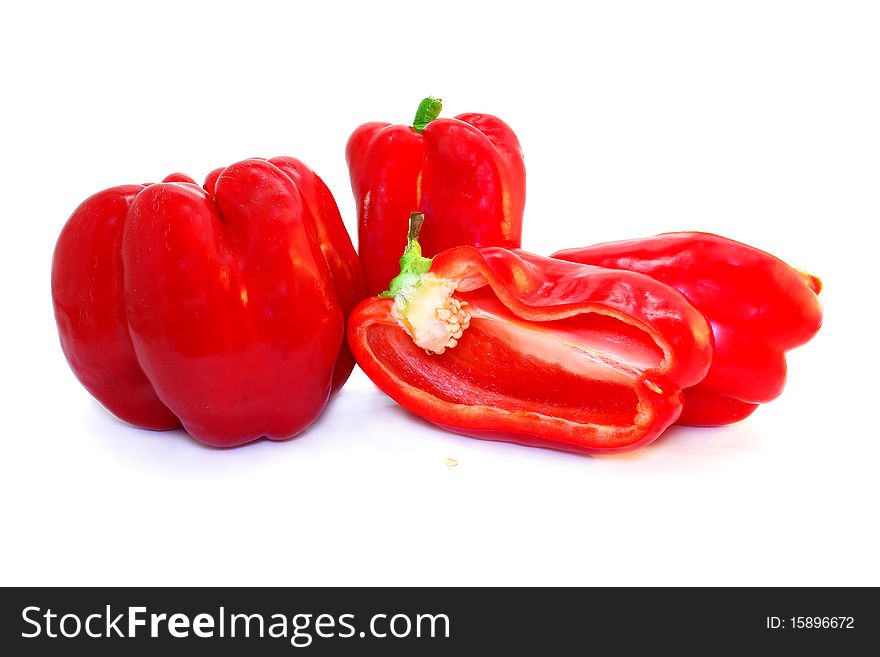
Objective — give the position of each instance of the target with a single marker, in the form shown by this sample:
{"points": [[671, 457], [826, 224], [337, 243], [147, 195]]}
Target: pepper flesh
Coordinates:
{"points": [[758, 307], [468, 170], [222, 307], [555, 354]]}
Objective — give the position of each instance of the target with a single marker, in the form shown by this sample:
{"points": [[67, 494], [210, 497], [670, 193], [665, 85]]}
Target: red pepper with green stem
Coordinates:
{"points": [[506, 345], [758, 306], [467, 173], [220, 308]]}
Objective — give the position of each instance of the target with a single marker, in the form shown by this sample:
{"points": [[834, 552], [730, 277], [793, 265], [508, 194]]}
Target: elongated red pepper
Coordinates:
{"points": [[758, 306], [466, 172], [507, 345], [221, 308]]}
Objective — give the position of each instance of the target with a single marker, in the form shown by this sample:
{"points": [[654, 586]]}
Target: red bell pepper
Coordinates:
{"points": [[758, 306], [219, 308], [506, 345], [467, 172], [87, 293]]}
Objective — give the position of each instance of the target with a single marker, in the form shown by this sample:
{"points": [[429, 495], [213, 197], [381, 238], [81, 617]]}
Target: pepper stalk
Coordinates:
{"points": [[424, 305], [429, 109]]}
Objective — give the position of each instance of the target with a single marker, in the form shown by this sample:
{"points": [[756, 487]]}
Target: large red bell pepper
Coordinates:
{"points": [[758, 307], [88, 295], [221, 308], [467, 173], [507, 345]]}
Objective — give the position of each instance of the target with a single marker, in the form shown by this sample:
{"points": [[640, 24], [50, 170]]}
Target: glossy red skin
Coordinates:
{"points": [[335, 244], [466, 173], [758, 306], [540, 293], [89, 302], [224, 298]]}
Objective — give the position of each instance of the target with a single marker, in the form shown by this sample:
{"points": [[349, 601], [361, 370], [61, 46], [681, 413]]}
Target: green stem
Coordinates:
{"points": [[412, 264], [429, 109]]}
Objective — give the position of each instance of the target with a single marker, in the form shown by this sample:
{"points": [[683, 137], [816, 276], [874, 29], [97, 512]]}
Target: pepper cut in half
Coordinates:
{"points": [[507, 345]]}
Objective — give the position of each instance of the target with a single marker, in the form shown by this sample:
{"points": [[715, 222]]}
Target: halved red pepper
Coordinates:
{"points": [[468, 170], [758, 306], [221, 308], [506, 345]]}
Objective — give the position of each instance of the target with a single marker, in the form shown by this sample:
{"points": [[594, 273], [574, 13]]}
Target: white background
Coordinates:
{"points": [[756, 120]]}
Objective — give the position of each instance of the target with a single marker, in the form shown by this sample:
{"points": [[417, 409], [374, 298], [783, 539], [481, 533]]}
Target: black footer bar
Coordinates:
{"points": [[428, 621]]}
